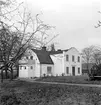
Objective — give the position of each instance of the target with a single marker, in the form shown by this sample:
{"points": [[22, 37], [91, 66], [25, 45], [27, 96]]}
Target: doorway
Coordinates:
{"points": [[73, 71]]}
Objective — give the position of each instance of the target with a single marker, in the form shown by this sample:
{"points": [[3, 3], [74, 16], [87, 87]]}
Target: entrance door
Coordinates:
{"points": [[73, 71]]}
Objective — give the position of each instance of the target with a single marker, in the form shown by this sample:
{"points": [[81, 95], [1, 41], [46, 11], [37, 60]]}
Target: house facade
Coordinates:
{"points": [[67, 62], [35, 63], [39, 63]]}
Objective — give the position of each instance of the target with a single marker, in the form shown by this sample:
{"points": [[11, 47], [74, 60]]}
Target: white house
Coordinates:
{"points": [[38, 63], [67, 62]]}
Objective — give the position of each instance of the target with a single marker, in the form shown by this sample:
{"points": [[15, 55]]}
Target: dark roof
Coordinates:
{"points": [[56, 52], [43, 56]]}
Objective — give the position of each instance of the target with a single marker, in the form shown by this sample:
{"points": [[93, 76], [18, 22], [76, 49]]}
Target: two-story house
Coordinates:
{"points": [[67, 62], [38, 63]]}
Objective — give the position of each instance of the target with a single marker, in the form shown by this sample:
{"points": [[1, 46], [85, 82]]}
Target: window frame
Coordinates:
{"points": [[67, 57], [67, 69], [78, 58], [78, 70], [73, 58], [49, 69]]}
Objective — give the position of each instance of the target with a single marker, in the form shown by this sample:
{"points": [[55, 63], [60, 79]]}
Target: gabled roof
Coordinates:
{"points": [[43, 56]]}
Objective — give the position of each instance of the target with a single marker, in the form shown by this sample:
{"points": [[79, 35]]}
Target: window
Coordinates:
{"points": [[31, 67], [49, 69], [67, 70], [27, 57], [20, 67], [78, 59], [31, 57], [24, 67], [73, 59], [67, 58], [78, 70]]}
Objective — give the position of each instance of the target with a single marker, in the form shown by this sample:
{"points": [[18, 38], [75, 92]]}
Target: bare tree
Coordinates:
{"points": [[87, 54], [18, 35], [97, 55]]}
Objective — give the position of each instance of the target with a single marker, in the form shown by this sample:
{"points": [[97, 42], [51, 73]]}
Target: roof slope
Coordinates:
{"points": [[43, 56]]}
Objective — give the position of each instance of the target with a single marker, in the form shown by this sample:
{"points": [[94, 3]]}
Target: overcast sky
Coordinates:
{"points": [[74, 20]]}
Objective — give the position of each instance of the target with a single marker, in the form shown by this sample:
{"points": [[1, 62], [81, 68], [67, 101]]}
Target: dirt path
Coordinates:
{"points": [[57, 83]]}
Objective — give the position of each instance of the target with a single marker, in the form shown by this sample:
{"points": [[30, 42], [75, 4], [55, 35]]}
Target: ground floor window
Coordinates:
{"points": [[67, 70], [49, 69], [31, 67], [78, 70]]}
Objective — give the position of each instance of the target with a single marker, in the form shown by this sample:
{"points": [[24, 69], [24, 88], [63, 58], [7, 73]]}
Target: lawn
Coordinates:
{"points": [[26, 93], [69, 79]]}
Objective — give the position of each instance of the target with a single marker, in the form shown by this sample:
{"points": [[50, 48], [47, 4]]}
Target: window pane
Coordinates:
{"points": [[31, 57], [67, 58], [73, 58], [25, 67], [49, 69], [27, 57], [78, 70], [78, 59], [67, 70], [31, 67]]}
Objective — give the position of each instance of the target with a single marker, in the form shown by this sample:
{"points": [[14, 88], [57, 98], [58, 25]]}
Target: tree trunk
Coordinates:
{"points": [[17, 67], [11, 73], [6, 73], [1, 76]]}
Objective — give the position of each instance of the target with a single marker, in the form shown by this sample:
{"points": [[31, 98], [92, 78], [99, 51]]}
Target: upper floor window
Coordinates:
{"points": [[31, 57], [24, 67], [67, 70], [20, 67], [73, 58], [78, 59], [26, 57], [67, 57]]}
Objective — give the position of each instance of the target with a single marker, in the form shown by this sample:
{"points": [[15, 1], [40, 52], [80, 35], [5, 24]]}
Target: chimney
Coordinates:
{"points": [[44, 48], [59, 50]]}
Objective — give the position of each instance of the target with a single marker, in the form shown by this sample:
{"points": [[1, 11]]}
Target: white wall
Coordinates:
{"points": [[58, 64], [43, 68], [28, 72], [70, 63], [23, 73]]}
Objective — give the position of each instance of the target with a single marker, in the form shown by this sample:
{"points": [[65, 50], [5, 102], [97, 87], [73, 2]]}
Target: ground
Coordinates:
{"points": [[84, 79], [19, 92]]}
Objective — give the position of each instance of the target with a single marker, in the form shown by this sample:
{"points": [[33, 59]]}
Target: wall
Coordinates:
{"points": [[70, 63], [58, 64], [28, 72], [43, 69], [23, 73]]}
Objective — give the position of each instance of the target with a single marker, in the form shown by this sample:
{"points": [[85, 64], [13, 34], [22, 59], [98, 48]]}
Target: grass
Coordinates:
{"points": [[70, 79], [26, 93]]}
